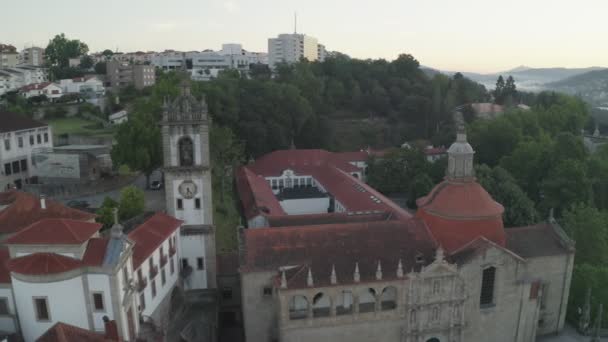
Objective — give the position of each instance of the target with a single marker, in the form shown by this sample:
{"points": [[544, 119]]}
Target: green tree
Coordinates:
{"points": [[587, 226], [565, 185], [499, 91], [227, 153], [138, 144], [107, 53], [105, 213], [421, 185], [60, 49], [132, 203], [100, 68], [86, 62]]}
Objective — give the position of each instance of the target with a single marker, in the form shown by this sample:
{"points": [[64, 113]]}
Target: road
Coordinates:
{"points": [[155, 199]]}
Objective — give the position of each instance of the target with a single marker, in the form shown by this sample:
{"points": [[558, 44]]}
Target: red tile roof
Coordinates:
{"points": [[435, 150], [256, 195], [5, 275], [35, 86], [42, 264], [95, 252], [62, 332], [10, 122], [300, 161], [23, 209], [328, 218], [340, 245], [459, 212], [151, 234], [542, 239], [52, 231]]}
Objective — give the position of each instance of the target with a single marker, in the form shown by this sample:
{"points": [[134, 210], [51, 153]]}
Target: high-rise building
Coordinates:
{"points": [[120, 74], [290, 48], [32, 56]]}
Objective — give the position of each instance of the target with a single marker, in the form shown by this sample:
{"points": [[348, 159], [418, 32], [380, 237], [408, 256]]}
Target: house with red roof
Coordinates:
{"points": [[363, 269], [51, 90], [52, 255]]}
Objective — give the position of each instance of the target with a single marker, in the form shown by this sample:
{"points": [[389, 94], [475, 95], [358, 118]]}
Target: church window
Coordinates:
{"points": [[200, 263], [186, 152], [487, 286], [197, 203], [180, 204], [435, 314], [436, 286], [267, 291], [42, 309], [413, 317], [98, 301]]}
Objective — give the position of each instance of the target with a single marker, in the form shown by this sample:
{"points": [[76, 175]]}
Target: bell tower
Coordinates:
{"points": [[188, 194]]}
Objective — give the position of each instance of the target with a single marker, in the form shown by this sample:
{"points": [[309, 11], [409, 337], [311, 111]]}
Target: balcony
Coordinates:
{"points": [[172, 250], [163, 260], [153, 271], [141, 284]]}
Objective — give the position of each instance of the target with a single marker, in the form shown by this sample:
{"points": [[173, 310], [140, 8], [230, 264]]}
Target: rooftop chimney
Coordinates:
{"points": [[42, 202]]}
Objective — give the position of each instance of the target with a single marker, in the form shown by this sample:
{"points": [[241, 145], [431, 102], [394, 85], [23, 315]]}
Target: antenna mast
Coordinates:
{"points": [[295, 22]]}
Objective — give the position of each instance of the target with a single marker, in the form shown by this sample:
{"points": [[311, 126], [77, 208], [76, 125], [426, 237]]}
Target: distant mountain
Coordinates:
{"points": [[526, 78], [592, 86]]}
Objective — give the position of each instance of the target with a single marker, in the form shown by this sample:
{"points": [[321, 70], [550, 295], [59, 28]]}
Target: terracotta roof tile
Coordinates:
{"points": [[95, 252], [321, 247], [43, 264], [55, 232], [62, 332], [149, 235], [23, 209], [537, 240], [10, 122], [256, 195]]}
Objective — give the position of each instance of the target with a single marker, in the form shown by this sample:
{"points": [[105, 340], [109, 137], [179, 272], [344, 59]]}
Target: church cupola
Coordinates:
{"points": [[460, 158]]}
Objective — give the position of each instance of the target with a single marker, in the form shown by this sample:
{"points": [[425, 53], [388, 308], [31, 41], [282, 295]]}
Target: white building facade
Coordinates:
{"points": [[290, 48]]}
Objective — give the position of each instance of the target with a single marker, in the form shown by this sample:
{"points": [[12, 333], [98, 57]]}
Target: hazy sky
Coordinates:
{"points": [[458, 35]]}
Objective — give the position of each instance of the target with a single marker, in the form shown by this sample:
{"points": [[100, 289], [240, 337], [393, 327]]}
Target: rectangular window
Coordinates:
{"points": [[267, 291], [7, 144], [163, 277], [42, 309], [32, 140], [184, 263], [153, 285], [197, 203], [180, 204], [172, 266], [487, 286], [16, 168], [7, 169], [4, 307], [46, 137], [20, 142], [98, 301], [227, 293], [142, 302], [200, 263], [125, 274], [140, 276], [23, 164], [38, 139]]}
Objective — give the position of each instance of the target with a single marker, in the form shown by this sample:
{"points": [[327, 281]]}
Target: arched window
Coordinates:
{"points": [[434, 339], [186, 152], [344, 303], [435, 314], [298, 307], [388, 300], [320, 305], [367, 300], [487, 286], [413, 317]]}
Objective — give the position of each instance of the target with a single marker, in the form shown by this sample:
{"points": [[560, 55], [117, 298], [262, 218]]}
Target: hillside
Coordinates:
{"points": [[591, 86]]}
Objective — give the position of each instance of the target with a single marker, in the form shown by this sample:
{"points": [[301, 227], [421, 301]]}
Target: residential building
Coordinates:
{"points": [[290, 48], [49, 89], [89, 86], [20, 136], [121, 74], [187, 174], [327, 257], [54, 255], [118, 117], [322, 52], [8, 59], [32, 56], [11, 79]]}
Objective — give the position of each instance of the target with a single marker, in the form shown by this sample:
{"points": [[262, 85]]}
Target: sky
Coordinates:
{"points": [[454, 35]]}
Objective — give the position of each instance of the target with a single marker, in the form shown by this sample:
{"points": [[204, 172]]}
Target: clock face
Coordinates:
{"points": [[188, 189]]}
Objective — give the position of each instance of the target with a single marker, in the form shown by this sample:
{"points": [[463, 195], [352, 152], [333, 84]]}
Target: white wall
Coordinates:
{"points": [[193, 247], [16, 153], [100, 283], [7, 323], [66, 303], [305, 206], [189, 214]]}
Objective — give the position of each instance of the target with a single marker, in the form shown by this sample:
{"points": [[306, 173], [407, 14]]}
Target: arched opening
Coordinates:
{"points": [[388, 300], [298, 307], [344, 303], [186, 151], [433, 339], [321, 305], [367, 300]]}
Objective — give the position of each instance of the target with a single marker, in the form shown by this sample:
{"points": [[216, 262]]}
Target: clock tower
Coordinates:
{"points": [[187, 171]]}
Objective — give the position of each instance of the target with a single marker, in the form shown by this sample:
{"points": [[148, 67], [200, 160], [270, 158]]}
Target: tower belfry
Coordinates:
{"points": [[187, 169]]}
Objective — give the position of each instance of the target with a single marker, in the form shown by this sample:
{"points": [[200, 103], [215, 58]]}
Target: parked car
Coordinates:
{"points": [[156, 185], [80, 204]]}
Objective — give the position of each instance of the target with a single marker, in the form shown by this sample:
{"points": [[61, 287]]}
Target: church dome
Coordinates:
{"points": [[459, 210]]}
